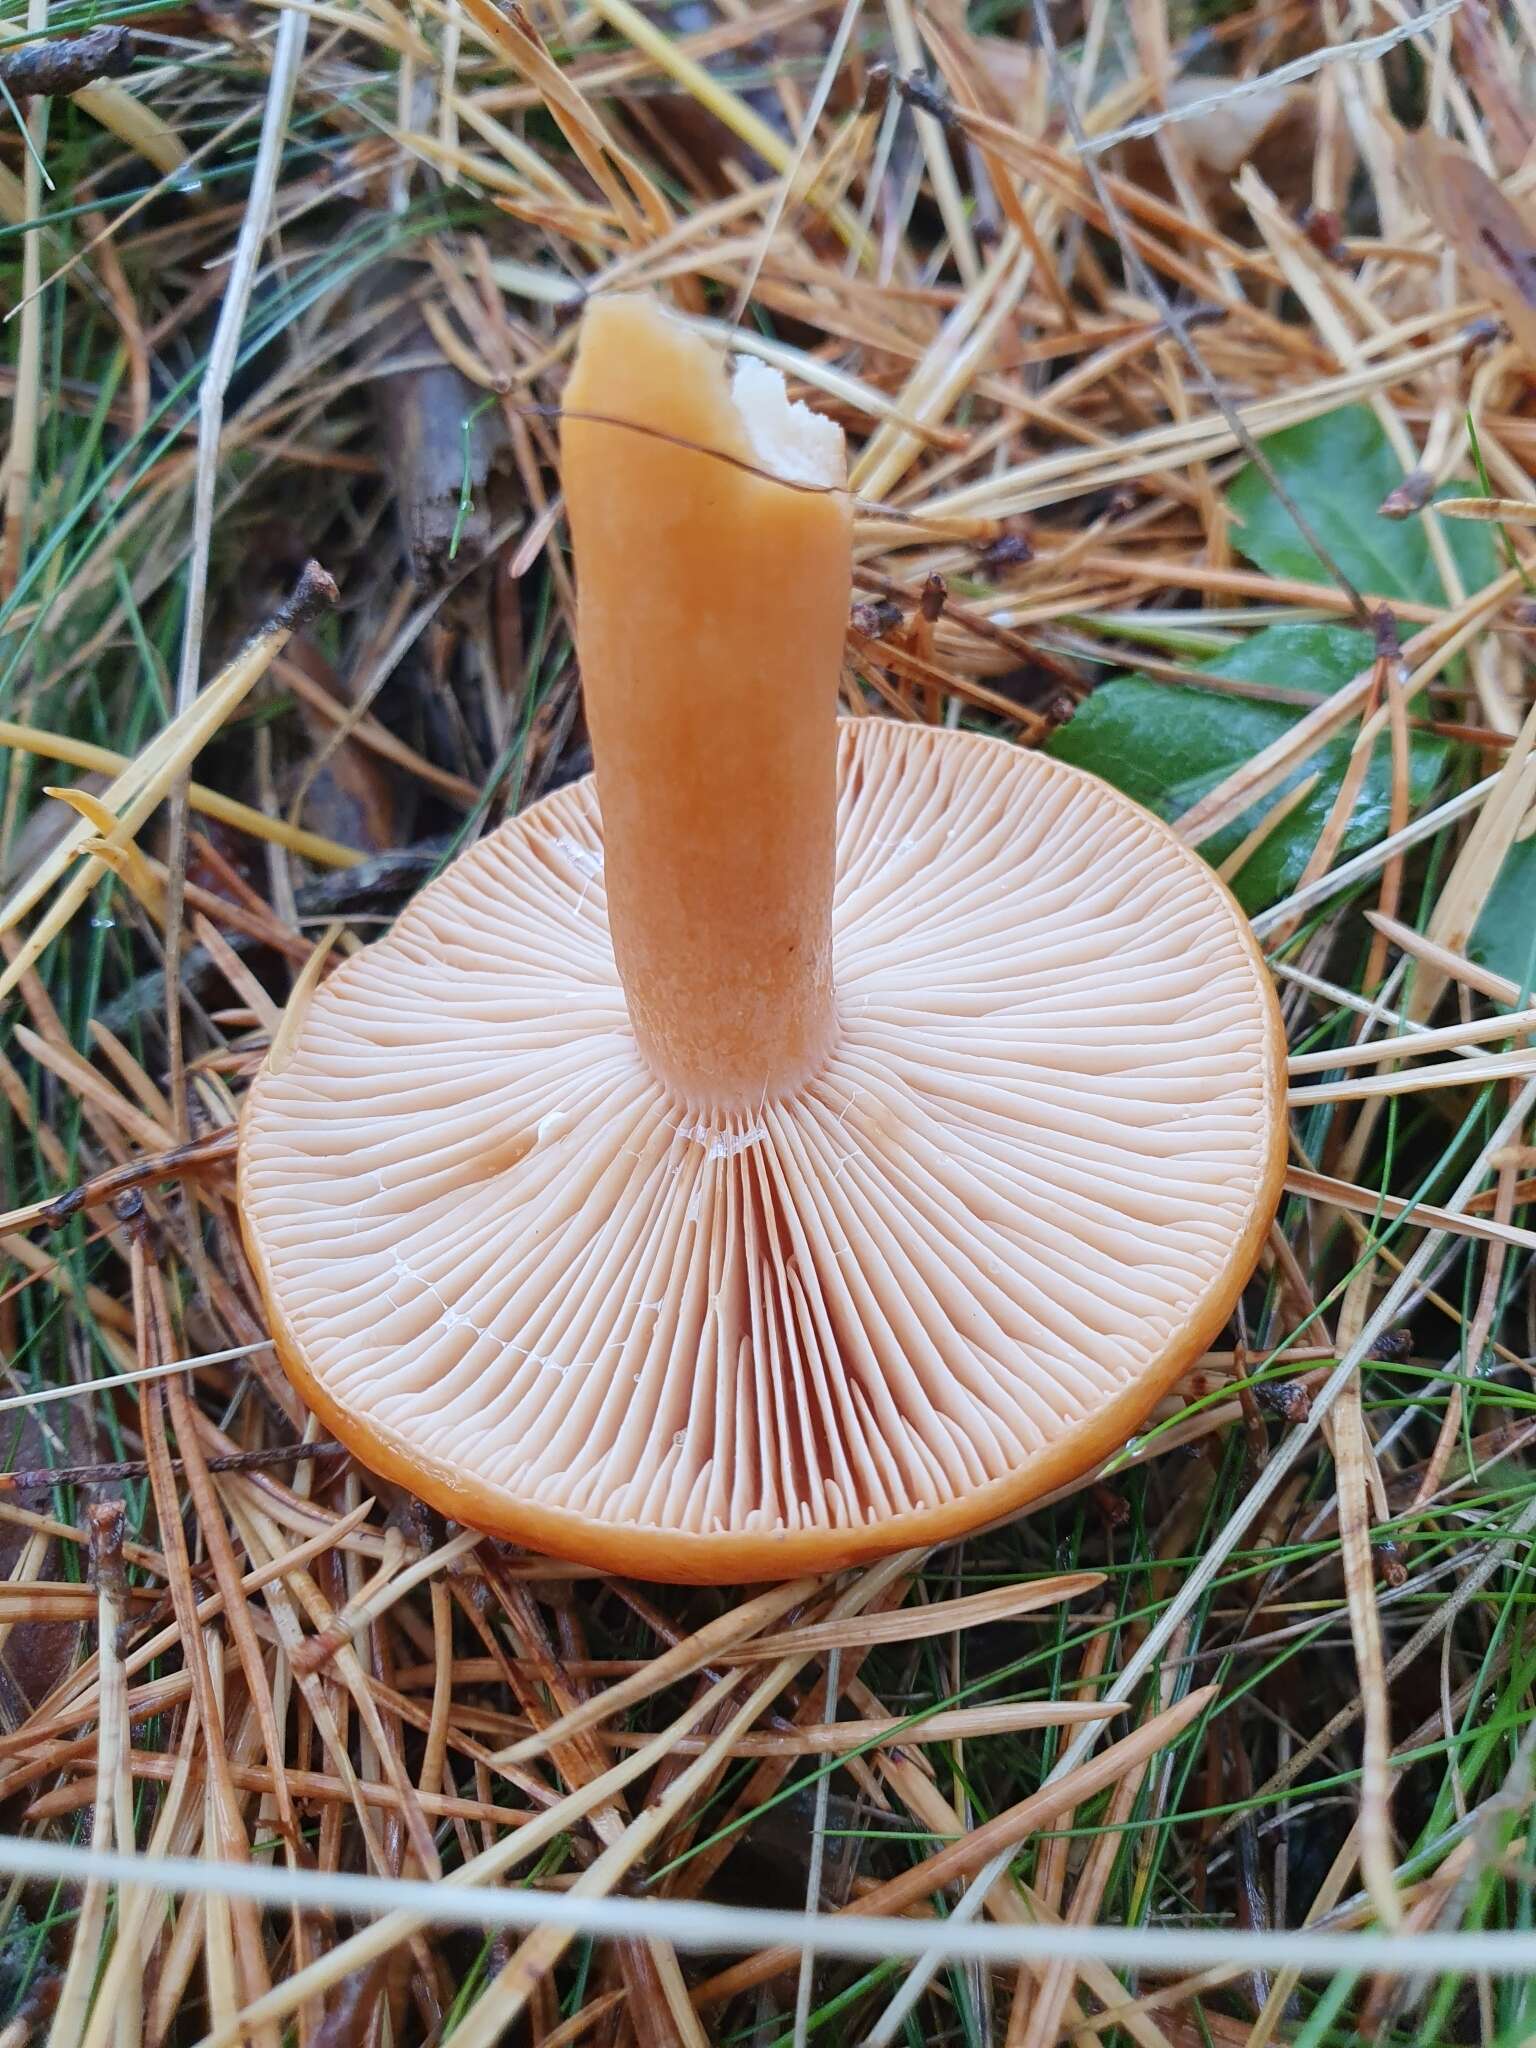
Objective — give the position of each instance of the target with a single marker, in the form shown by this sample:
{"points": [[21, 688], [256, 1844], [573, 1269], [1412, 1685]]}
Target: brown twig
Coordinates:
{"points": [[53, 70]]}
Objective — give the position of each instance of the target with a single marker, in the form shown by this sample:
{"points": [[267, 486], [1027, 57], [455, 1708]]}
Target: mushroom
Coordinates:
{"points": [[808, 1138]]}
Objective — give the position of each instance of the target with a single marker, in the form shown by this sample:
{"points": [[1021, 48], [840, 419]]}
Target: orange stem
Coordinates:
{"points": [[713, 598]]}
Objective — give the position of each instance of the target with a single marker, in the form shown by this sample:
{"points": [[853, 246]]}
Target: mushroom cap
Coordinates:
{"points": [[514, 1272]]}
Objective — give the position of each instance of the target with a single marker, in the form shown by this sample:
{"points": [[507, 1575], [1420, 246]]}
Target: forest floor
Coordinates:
{"points": [[1185, 354]]}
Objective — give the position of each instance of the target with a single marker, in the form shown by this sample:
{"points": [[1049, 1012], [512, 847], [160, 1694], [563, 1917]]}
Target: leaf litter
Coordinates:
{"points": [[1157, 402]]}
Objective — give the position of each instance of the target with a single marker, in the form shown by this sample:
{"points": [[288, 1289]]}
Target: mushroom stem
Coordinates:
{"points": [[713, 601]]}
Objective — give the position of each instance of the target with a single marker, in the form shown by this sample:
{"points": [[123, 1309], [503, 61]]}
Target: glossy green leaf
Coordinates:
{"points": [[1338, 469], [1166, 745]]}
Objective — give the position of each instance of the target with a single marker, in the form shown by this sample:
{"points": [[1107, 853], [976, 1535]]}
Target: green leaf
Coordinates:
{"points": [[1505, 937], [1166, 745], [1338, 469]]}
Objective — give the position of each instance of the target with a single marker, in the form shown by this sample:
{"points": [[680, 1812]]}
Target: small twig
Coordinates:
{"points": [[44, 1478], [199, 1155], [53, 70]]}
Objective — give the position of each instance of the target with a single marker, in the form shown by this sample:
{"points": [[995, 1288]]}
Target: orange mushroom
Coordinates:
{"points": [[838, 1139]]}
